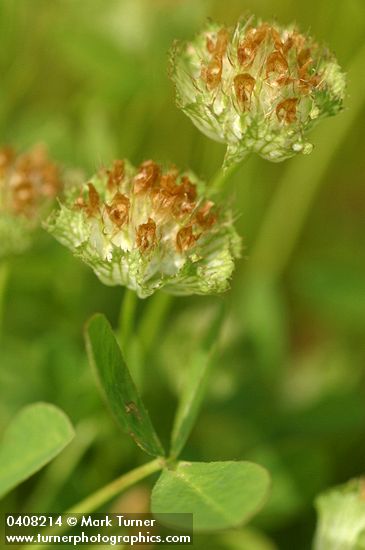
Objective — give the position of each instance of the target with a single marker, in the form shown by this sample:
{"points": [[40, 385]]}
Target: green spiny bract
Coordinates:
{"points": [[29, 184], [148, 229], [258, 88]]}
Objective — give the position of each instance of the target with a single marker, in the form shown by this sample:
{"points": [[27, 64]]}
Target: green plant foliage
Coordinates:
{"points": [[35, 436], [89, 80], [218, 494], [247, 539], [194, 390], [118, 386]]}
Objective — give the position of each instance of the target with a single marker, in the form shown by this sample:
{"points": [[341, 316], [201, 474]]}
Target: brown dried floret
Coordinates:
{"points": [[146, 237], [304, 56], [28, 180], [148, 175], [118, 210], [185, 238], [243, 86], [306, 80], [188, 196], [7, 155], [166, 194], [93, 204], [218, 47], [247, 49], [212, 72], [168, 183], [276, 63], [178, 199], [188, 188], [43, 174], [287, 110], [204, 217], [115, 175], [23, 196]]}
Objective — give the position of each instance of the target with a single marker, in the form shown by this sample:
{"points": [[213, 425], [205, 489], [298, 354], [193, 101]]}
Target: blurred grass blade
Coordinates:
{"points": [[218, 494], [118, 386], [193, 392], [36, 435], [287, 214]]}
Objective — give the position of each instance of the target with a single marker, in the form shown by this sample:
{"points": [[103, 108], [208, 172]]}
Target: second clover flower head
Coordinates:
{"points": [[258, 88], [148, 229], [29, 183]]}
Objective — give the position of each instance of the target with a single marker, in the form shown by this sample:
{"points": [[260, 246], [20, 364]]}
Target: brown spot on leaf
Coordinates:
{"points": [[131, 408]]}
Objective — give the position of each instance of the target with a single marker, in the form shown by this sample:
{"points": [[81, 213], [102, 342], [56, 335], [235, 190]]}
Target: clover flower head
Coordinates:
{"points": [[29, 183], [341, 521], [258, 87], [147, 229]]}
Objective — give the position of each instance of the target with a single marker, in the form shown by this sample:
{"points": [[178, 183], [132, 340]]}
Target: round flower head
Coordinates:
{"points": [[146, 229], [258, 87], [28, 184], [341, 517]]}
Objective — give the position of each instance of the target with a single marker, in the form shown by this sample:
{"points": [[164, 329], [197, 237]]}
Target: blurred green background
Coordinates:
{"points": [[89, 79]]}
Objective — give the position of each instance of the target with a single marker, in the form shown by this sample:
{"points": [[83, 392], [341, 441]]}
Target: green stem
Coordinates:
{"points": [[4, 276], [289, 209], [152, 320], [126, 317], [221, 178], [107, 493]]}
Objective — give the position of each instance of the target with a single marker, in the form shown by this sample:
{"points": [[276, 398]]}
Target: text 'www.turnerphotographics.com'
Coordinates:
{"points": [[98, 529]]}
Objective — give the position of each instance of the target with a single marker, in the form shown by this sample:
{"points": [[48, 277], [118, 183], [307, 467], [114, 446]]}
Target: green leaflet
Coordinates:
{"points": [[218, 494], [118, 386], [36, 435]]}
